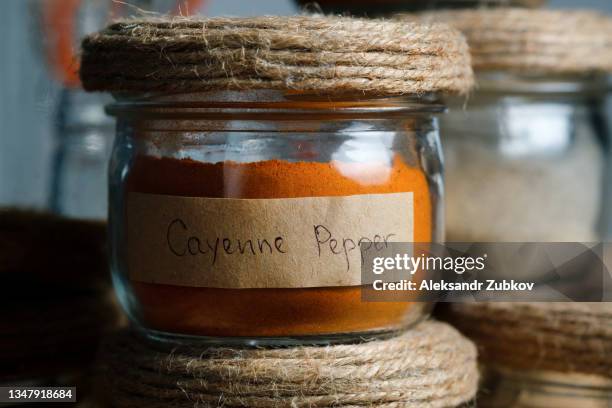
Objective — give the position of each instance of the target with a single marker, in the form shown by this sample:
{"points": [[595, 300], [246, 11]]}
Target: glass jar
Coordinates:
{"points": [[526, 161], [236, 217], [84, 137]]}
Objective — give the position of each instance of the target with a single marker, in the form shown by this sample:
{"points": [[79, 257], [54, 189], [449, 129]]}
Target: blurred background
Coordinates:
{"points": [[54, 139]]}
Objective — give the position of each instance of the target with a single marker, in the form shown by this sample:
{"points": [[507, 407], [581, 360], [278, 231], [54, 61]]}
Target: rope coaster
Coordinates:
{"points": [[323, 55], [533, 41], [429, 366], [564, 337]]}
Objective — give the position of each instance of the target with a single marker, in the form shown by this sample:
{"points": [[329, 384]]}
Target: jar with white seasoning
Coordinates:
{"points": [[527, 161]]}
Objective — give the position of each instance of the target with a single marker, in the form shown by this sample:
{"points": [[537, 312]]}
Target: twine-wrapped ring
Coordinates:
{"points": [[532, 41], [429, 366]]}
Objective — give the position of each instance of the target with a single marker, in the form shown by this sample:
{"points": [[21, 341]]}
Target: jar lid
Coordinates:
{"points": [[533, 41], [323, 55]]}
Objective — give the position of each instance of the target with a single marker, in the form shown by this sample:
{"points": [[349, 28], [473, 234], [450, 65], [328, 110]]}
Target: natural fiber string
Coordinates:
{"points": [[532, 41], [430, 366], [317, 54], [567, 337]]}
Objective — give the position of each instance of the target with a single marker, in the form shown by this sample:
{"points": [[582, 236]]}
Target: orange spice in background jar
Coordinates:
{"points": [[255, 157]]}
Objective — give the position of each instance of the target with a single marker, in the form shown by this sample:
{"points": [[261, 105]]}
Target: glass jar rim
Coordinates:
{"points": [[515, 83], [261, 103]]}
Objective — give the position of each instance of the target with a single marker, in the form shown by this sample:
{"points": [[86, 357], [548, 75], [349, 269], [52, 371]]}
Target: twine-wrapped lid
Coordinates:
{"points": [[324, 55], [533, 41]]}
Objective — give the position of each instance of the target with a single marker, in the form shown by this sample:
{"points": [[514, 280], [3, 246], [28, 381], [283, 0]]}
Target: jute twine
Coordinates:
{"points": [[430, 366], [533, 41], [564, 337], [325, 55]]}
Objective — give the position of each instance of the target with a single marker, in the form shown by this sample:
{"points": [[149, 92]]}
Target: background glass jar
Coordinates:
{"points": [[526, 161], [262, 145], [84, 138]]}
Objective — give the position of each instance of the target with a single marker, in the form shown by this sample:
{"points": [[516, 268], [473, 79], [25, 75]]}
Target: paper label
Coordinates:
{"points": [[260, 243]]}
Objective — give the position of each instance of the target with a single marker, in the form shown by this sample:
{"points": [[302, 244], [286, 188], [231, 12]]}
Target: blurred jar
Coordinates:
{"points": [[84, 140], [526, 160], [526, 154], [83, 133]]}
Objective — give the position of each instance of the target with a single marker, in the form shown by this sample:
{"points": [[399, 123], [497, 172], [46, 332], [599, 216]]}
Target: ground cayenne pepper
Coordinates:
{"points": [[273, 312]]}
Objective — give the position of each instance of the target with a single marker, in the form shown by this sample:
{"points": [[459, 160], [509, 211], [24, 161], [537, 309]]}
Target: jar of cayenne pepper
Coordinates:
{"points": [[255, 155]]}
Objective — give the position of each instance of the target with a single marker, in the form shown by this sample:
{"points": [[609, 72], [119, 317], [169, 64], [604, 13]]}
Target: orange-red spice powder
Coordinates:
{"points": [[275, 311]]}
